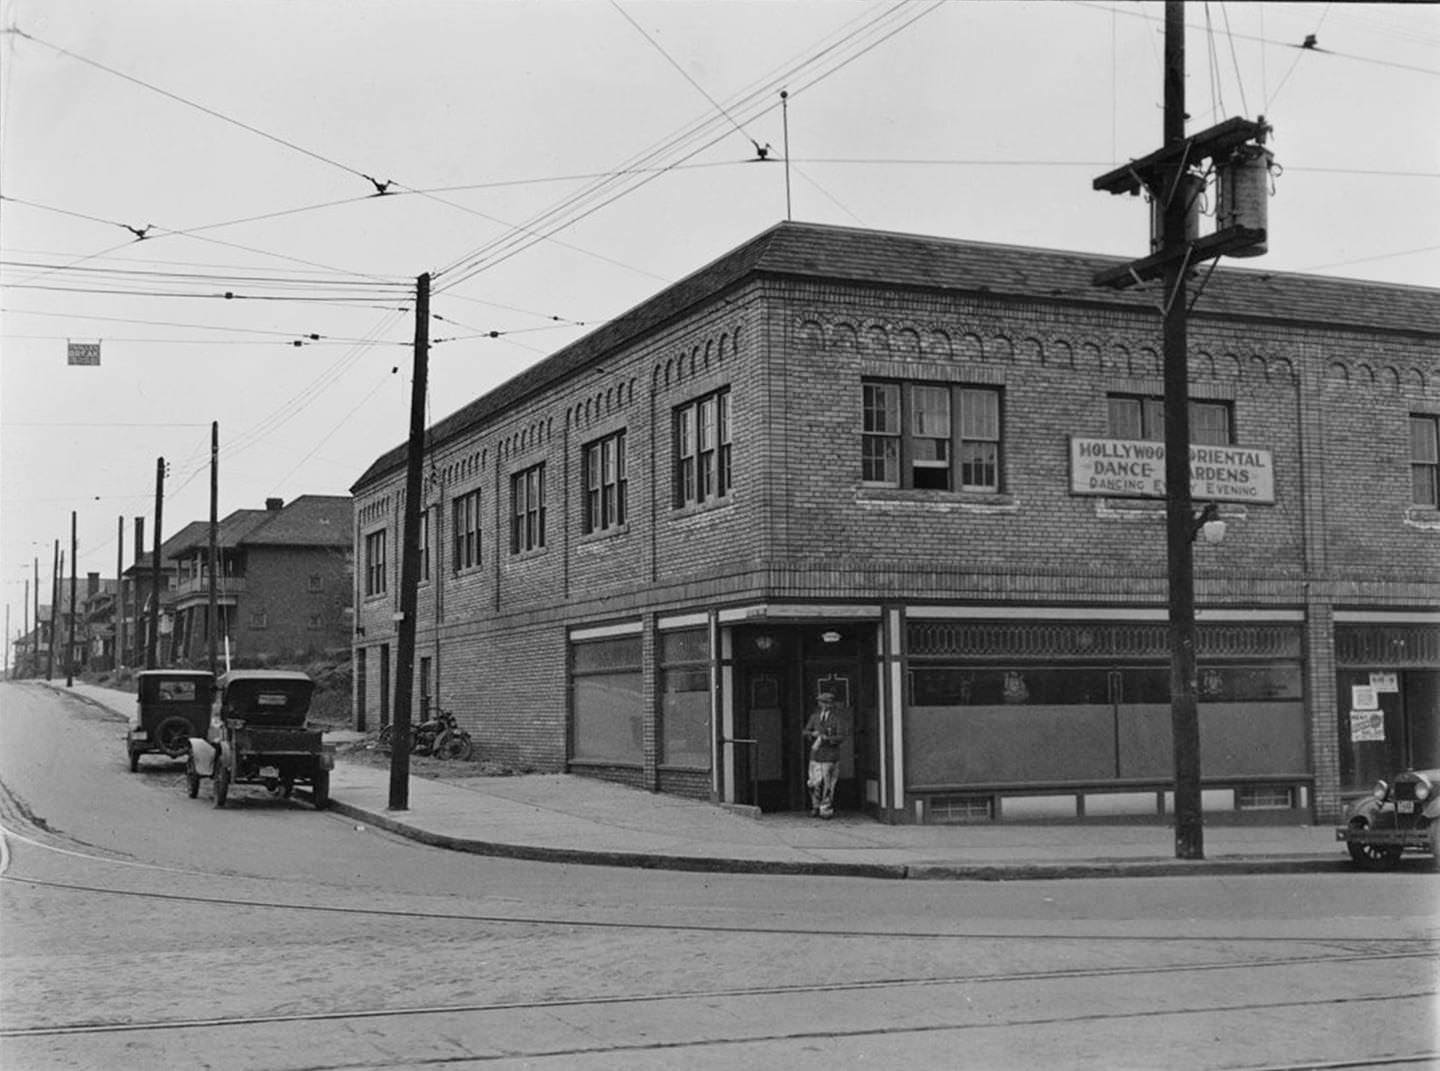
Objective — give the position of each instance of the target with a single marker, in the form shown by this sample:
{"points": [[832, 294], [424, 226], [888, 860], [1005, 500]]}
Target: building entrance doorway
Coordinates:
{"points": [[780, 671]]}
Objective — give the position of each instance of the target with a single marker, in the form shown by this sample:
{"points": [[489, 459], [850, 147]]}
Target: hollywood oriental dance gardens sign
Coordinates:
{"points": [[1135, 468]]}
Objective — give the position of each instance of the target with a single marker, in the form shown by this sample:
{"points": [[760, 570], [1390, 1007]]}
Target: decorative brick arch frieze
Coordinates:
{"points": [[1396, 376], [1132, 356], [700, 357], [601, 404], [938, 345], [524, 439], [379, 508]]}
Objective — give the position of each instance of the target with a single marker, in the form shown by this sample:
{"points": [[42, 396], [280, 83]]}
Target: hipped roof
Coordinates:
{"points": [[823, 253], [309, 521]]}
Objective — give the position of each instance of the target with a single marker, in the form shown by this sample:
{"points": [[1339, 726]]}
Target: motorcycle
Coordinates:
{"points": [[440, 736]]}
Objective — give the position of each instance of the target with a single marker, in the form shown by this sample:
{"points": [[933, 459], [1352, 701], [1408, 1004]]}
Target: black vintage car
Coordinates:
{"points": [[171, 706], [258, 735], [1401, 815]]}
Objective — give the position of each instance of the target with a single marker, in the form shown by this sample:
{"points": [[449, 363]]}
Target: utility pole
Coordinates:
{"points": [[54, 609], [410, 556], [35, 653], [214, 525], [25, 624], [1169, 175], [119, 603], [70, 638], [153, 637]]}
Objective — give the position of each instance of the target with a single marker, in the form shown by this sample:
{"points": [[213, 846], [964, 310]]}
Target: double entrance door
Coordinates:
{"points": [[779, 672]]}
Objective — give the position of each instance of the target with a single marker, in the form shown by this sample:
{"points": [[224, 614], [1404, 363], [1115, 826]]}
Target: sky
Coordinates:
{"points": [[552, 164]]}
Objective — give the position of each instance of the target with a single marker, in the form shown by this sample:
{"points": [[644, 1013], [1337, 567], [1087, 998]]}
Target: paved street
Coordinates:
{"points": [[144, 929]]}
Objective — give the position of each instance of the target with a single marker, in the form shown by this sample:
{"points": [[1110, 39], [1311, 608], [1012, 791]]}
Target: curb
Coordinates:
{"points": [[1302, 864], [640, 860]]}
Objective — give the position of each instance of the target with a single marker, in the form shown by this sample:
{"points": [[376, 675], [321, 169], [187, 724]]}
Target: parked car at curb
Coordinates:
{"points": [[258, 734], [171, 706], [1401, 815]]}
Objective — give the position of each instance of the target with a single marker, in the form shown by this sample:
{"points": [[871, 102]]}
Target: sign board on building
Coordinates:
{"points": [[82, 353], [1135, 468], [1366, 725], [1385, 682]]}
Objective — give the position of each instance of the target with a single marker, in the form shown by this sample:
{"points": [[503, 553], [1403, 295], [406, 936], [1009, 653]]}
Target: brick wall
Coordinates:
{"points": [[1331, 406]]}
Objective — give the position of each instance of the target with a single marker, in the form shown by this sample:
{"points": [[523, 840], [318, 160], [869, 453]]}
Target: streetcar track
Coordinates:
{"points": [[78, 1029], [1379, 946]]}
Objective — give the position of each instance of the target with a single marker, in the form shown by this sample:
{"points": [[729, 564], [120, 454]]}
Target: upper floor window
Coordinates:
{"points": [[1139, 417], [527, 512], [375, 563], [465, 523], [603, 482], [702, 449], [930, 435], [424, 545], [1425, 458]]}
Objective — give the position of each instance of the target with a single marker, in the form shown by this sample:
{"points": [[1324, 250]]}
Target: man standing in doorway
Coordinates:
{"points": [[824, 733]]}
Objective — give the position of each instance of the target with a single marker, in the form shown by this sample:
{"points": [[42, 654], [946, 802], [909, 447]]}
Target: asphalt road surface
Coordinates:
{"points": [[142, 929]]}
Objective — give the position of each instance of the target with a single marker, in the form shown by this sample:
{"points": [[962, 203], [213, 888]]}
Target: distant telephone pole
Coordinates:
{"points": [[1171, 178], [153, 638], [70, 640], [119, 602], [214, 525], [410, 556], [54, 609]]}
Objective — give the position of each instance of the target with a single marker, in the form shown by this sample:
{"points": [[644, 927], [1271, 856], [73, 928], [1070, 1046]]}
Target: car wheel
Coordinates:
{"points": [[192, 778], [134, 761], [1374, 857], [222, 782], [173, 736], [320, 789]]}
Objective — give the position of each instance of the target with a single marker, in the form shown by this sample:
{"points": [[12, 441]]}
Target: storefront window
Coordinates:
{"points": [[685, 691], [607, 703]]}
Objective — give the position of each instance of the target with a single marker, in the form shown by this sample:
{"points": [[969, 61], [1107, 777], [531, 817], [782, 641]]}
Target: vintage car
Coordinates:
{"points": [[258, 735], [1402, 815], [171, 706]]}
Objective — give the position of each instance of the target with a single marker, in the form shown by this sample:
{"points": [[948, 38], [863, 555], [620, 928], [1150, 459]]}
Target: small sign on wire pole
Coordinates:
{"points": [[82, 353]]}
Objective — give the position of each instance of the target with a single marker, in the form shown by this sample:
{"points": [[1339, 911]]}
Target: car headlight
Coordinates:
{"points": [[1422, 789], [1382, 789]]}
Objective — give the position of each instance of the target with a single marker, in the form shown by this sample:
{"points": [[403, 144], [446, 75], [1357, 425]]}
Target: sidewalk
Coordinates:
{"points": [[564, 818]]}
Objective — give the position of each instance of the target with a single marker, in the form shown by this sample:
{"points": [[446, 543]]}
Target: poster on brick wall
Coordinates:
{"points": [[1367, 725]]}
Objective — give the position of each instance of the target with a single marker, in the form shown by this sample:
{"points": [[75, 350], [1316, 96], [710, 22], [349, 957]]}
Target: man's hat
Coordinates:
{"points": [[828, 695]]}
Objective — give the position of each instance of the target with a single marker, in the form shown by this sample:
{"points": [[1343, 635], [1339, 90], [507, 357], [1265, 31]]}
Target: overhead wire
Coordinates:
{"points": [[143, 234], [760, 153], [1299, 55], [187, 102], [1235, 60], [1135, 13], [694, 138], [645, 159], [686, 75]]}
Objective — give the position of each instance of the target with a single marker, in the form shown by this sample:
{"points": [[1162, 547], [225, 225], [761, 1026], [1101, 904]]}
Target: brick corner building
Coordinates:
{"points": [[927, 474]]}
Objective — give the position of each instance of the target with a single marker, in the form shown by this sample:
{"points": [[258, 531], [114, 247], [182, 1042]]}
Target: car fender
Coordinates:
{"points": [[203, 754], [1367, 809]]}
